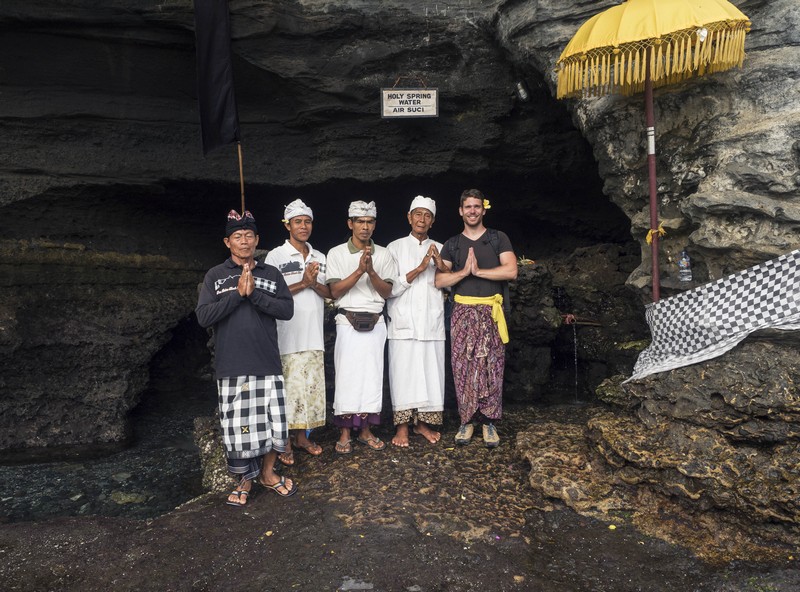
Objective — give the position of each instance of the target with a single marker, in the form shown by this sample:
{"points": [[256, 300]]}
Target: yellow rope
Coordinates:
{"points": [[652, 232]]}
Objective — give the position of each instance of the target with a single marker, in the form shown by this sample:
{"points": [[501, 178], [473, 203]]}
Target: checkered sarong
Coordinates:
{"points": [[252, 413], [708, 321]]}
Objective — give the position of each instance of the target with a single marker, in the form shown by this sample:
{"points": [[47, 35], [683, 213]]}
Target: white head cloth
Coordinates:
{"points": [[297, 208], [362, 208], [423, 202]]}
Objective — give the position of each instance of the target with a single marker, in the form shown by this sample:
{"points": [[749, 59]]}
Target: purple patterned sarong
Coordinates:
{"points": [[478, 356]]}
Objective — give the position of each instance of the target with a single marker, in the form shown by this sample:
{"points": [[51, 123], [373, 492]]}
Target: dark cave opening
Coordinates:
{"points": [[180, 388], [184, 219], [541, 223]]}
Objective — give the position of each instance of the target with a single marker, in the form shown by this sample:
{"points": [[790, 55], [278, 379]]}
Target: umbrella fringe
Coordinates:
{"points": [[688, 56], [659, 69], [685, 55], [640, 59], [629, 71], [720, 59]]}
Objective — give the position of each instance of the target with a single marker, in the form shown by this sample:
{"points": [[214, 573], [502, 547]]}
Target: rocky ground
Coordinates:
{"points": [[427, 518], [159, 471]]}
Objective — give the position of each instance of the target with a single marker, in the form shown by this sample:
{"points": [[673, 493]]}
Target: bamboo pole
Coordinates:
{"points": [[241, 174]]}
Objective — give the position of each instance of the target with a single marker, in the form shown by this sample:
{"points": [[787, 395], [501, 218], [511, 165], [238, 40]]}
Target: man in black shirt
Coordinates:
{"points": [[480, 262], [241, 299]]}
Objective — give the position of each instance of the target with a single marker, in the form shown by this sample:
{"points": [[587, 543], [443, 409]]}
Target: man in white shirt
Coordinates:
{"points": [[360, 275], [300, 340], [416, 328]]}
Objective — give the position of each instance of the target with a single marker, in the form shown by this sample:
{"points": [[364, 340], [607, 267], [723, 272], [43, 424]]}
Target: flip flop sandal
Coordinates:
{"points": [[286, 458], [238, 493], [373, 443], [279, 484], [346, 448]]}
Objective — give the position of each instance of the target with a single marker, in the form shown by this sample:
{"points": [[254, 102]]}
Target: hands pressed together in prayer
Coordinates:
{"points": [[448, 278], [246, 282], [471, 264], [365, 263], [432, 254], [310, 275]]}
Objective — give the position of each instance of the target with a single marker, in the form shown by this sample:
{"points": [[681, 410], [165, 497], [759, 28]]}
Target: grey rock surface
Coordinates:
{"points": [[703, 456], [727, 160]]}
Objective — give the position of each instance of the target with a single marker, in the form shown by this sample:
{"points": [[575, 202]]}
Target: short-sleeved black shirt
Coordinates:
{"points": [[487, 259]]}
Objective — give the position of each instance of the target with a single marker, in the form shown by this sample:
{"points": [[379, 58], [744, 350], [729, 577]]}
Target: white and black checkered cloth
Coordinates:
{"points": [[252, 412], [708, 321]]}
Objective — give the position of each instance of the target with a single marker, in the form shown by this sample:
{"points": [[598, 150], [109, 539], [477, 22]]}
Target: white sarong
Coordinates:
{"points": [[358, 358], [416, 374]]}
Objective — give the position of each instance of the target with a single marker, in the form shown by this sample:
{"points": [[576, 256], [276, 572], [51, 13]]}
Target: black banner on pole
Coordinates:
{"points": [[219, 116]]}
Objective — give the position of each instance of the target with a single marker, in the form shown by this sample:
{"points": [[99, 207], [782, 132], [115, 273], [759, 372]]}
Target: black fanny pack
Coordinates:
{"points": [[362, 321]]}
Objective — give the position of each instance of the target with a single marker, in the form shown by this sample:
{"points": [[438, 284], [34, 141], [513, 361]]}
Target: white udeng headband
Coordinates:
{"points": [[297, 208], [423, 202], [362, 208]]}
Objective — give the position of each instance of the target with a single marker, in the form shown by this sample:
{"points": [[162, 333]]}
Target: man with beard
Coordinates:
{"points": [[480, 262], [241, 299]]}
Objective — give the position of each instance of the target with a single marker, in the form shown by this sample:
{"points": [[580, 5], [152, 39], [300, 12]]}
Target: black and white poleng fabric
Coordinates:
{"points": [[708, 321], [252, 411]]}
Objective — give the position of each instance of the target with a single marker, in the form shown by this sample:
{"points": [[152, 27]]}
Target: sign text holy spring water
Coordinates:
{"points": [[409, 102]]}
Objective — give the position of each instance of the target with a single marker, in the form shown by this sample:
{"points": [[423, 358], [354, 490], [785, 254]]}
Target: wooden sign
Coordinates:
{"points": [[409, 102]]}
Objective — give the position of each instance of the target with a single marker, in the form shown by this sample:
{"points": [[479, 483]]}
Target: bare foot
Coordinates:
{"points": [[304, 443], [430, 435], [401, 437]]}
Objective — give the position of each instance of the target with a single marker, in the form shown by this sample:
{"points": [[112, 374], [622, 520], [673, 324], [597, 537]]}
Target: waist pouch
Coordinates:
{"points": [[362, 321]]}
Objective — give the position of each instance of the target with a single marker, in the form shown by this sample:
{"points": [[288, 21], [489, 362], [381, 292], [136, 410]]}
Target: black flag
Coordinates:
{"points": [[219, 117]]}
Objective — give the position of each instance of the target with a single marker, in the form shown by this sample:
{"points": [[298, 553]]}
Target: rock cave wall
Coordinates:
{"points": [[703, 456], [728, 158]]}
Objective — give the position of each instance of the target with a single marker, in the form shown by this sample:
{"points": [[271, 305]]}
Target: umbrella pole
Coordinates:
{"points": [[651, 173], [241, 173]]}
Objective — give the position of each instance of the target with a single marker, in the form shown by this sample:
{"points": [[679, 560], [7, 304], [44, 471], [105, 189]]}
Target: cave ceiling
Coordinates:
{"points": [[100, 131]]}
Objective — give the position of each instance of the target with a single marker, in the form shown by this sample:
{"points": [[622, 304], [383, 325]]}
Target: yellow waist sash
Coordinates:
{"points": [[496, 302]]}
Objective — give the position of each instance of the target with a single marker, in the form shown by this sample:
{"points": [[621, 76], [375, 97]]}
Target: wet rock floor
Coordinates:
{"points": [[423, 519], [159, 471]]}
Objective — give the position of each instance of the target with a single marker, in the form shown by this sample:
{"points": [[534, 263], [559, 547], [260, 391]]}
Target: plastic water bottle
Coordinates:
{"points": [[685, 267]]}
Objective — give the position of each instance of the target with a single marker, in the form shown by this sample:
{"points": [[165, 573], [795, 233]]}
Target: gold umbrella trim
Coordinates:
{"points": [[674, 57]]}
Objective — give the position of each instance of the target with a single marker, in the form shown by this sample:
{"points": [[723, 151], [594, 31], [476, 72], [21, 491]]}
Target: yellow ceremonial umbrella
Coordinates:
{"points": [[642, 44]]}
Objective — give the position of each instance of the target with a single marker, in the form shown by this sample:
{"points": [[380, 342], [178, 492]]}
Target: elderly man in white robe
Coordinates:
{"points": [[360, 275], [416, 329]]}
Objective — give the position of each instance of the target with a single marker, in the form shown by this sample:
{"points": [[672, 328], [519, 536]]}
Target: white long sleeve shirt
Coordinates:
{"points": [[416, 310]]}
